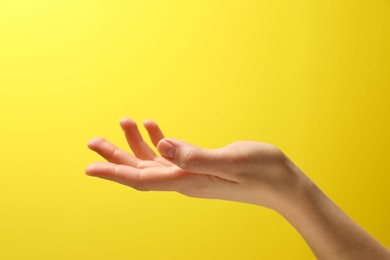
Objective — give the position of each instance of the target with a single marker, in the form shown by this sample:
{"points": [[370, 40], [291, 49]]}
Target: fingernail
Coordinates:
{"points": [[89, 170], [167, 149]]}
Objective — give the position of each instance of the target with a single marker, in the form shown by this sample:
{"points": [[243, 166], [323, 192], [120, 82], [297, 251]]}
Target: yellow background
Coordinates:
{"points": [[312, 77]]}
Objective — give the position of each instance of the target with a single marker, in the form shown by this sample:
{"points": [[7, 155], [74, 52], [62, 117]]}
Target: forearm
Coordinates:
{"points": [[330, 233]]}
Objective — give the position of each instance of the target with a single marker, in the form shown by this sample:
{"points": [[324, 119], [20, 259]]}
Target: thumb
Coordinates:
{"points": [[193, 158]]}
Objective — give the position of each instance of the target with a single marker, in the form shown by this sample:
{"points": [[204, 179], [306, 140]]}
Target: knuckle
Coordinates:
{"points": [[116, 170], [143, 164], [114, 152], [139, 183]]}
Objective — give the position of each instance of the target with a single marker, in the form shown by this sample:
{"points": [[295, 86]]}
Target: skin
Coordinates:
{"points": [[245, 171]]}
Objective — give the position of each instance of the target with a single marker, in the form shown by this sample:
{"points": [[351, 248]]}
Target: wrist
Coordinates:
{"points": [[298, 193]]}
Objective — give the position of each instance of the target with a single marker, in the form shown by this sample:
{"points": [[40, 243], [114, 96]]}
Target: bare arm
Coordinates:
{"points": [[245, 171], [329, 232]]}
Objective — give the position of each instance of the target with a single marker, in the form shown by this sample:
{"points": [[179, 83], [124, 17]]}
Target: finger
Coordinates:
{"points": [[197, 160], [140, 148], [112, 153], [113, 172], [156, 178], [154, 131], [156, 135], [149, 164]]}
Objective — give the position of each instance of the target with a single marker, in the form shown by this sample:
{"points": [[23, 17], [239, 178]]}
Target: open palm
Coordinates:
{"points": [[145, 170]]}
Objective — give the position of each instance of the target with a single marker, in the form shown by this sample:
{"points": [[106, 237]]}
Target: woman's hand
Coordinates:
{"points": [[244, 171]]}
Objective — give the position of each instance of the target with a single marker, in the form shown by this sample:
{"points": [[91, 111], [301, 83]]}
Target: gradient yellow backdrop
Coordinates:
{"points": [[312, 77]]}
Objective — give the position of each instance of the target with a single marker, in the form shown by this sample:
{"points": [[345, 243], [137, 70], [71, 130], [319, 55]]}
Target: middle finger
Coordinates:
{"points": [[112, 153]]}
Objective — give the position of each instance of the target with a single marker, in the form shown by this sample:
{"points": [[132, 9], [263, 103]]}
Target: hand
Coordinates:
{"points": [[244, 171]]}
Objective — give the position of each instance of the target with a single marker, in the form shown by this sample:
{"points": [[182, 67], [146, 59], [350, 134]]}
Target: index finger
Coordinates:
{"points": [[140, 148], [154, 131]]}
